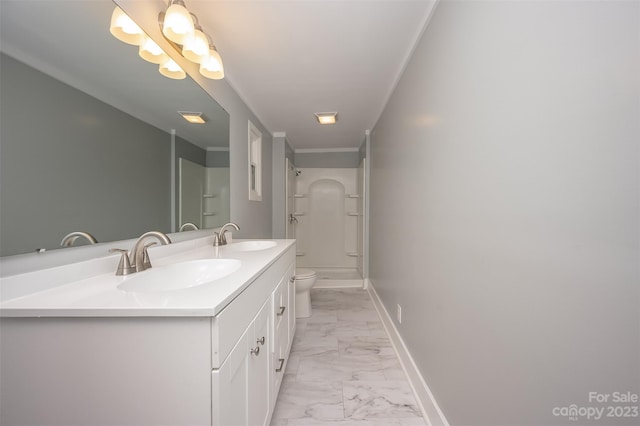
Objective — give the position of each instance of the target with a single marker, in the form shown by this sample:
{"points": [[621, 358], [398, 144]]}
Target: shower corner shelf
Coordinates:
{"points": [[352, 196]]}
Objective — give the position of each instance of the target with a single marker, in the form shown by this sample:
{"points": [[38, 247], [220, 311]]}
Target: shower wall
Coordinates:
{"points": [[327, 209]]}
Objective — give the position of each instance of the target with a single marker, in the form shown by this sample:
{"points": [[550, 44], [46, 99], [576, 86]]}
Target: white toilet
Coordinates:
{"points": [[305, 279]]}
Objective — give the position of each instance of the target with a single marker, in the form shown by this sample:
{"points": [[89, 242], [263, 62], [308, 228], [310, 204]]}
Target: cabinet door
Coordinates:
{"points": [[259, 380], [230, 385]]}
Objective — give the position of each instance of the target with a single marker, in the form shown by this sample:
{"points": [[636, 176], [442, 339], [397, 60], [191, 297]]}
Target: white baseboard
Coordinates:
{"points": [[432, 414], [338, 284]]}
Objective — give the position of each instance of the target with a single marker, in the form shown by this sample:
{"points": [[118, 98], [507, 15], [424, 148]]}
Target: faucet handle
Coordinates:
{"points": [[124, 267], [216, 240], [146, 261]]}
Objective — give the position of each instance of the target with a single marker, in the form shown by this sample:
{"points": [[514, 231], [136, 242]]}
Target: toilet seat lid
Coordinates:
{"points": [[304, 273]]}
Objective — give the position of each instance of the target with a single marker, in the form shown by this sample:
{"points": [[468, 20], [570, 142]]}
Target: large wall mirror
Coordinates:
{"points": [[90, 135]]}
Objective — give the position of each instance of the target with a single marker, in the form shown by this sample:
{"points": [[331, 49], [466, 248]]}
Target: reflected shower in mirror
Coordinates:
{"points": [[91, 137]]}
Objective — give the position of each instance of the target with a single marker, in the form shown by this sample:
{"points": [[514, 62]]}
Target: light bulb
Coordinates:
{"points": [[212, 66], [177, 22], [171, 69], [150, 51], [123, 28], [196, 47]]}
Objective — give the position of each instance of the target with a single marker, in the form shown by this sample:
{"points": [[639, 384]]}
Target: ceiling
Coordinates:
{"points": [[291, 59]]}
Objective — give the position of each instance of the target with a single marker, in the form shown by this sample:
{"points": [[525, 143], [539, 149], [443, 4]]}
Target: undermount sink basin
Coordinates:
{"points": [[252, 245], [180, 275]]}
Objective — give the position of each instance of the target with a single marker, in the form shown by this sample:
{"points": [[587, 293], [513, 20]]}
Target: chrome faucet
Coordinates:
{"points": [[188, 226], [218, 237], [139, 255], [71, 238]]}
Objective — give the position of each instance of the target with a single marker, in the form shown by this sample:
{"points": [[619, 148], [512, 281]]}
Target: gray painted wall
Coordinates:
{"points": [[70, 162], [327, 160], [217, 158], [505, 204]]}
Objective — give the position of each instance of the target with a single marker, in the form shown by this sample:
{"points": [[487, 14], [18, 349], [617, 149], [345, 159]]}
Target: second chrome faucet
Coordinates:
{"points": [[138, 259], [218, 237]]}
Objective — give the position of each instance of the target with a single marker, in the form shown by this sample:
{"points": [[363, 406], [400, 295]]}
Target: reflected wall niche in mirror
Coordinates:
{"points": [[90, 135]]}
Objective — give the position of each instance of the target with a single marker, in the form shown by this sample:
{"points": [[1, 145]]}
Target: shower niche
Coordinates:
{"points": [[328, 209]]}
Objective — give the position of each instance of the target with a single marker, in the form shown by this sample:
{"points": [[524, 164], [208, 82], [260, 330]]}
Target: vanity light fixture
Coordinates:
{"points": [[327, 117], [212, 67], [196, 46], [177, 24], [184, 33], [190, 39], [193, 117]]}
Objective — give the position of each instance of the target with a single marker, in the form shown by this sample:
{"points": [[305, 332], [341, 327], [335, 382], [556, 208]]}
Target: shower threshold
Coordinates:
{"points": [[337, 277]]}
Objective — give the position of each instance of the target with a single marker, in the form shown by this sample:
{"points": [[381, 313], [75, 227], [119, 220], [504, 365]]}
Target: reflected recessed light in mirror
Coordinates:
{"points": [[193, 117]]}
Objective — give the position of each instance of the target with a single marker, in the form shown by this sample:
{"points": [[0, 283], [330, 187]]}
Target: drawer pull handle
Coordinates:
{"points": [[282, 309], [260, 340], [256, 351], [279, 369]]}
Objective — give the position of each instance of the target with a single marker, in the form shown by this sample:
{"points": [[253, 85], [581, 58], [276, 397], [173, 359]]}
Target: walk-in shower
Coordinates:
{"points": [[329, 210]]}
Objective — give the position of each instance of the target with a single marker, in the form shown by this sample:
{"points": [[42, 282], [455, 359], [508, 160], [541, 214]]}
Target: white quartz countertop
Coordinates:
{"points": [[100, 296]]}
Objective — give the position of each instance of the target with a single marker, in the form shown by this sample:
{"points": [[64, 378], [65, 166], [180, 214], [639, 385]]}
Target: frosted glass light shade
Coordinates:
{"points": [[177, 23], [196, 47], [212, 66], [171, 69], [151, 52], [123, 28]]}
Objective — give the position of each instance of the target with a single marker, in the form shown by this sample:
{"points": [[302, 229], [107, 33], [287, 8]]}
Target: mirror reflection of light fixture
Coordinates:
{"points": [[123, 28], [171, 69], [151, 52], [193, 117], [327, 117], [178, 23]]}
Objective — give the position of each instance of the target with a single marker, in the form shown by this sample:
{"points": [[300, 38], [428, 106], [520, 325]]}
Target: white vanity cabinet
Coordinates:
{"points": [[153, 365]]}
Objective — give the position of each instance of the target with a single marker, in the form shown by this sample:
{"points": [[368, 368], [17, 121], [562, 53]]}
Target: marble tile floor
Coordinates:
{"points": [[342, 370]]}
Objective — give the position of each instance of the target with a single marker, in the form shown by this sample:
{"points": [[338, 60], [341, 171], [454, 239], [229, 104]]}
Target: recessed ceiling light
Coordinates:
{"points": [[193, 117], [327, 117]]}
